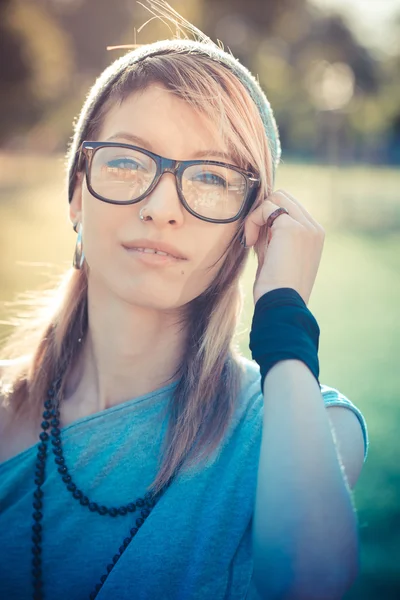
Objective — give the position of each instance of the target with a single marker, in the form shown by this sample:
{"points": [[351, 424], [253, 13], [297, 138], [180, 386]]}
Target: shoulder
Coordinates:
{"points": [[4, 412], [251, 377], [2, 394], [348, 424], [246, 419], [349, 431], [251, 400], [15, 434], [6, 375], [347, 415]]}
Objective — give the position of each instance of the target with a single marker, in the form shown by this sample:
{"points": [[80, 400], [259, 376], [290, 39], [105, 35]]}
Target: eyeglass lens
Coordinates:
{"points": [[122, 174]]}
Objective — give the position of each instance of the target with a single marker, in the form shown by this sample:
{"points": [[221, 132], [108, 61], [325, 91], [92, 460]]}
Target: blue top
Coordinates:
{"points": [[196, 543]]}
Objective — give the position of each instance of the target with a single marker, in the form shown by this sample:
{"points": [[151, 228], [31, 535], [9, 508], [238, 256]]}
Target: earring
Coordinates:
{"points": [[79, 255]]}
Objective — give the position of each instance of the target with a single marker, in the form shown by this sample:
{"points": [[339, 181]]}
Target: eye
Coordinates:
{"points": [[210, 179], [125, 163]]}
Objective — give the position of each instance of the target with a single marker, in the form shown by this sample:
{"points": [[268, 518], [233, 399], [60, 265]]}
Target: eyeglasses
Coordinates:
{"points": [[125, 174]]}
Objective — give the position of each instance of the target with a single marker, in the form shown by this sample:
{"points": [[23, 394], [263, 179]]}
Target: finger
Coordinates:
{"points": [[301, 207], [257, 220], [294, 207]]}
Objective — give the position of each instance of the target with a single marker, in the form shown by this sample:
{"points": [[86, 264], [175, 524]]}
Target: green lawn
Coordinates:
{"points": [[356, 300]]}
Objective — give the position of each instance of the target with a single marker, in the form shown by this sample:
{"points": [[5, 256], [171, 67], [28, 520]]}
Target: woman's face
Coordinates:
{"points": [[167, 126]]}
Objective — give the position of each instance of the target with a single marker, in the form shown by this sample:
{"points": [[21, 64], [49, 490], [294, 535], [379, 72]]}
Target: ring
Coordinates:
{"points": [[275, 215], [142, 218]]}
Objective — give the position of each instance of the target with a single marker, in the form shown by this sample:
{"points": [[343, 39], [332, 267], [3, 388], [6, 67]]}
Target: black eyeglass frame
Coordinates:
{"points": [[88, 149]]}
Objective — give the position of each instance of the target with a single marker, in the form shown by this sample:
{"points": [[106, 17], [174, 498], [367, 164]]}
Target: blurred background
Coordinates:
{"points": [[331, 70]]}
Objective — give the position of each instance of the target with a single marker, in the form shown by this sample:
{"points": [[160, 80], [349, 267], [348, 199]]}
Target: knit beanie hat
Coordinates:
{"points": [[111, 74]]}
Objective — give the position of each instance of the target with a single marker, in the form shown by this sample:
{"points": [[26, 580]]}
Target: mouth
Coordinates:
{"points": [[151, 257]]}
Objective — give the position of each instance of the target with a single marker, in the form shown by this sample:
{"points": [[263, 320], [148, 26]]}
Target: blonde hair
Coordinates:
{"points": [[203, 401]]}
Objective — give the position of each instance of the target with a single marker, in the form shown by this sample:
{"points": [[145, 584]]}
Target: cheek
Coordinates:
{"points": [[210, 251], [101, 223]]}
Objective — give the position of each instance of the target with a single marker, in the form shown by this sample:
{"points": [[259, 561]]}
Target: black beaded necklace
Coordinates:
{"points": [[148, 502]]}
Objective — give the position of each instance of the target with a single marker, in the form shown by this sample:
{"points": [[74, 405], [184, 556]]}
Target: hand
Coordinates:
{"points": [[290, 251]]}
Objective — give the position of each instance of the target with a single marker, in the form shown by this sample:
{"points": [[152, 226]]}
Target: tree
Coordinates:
{"points": [[35, 67]]}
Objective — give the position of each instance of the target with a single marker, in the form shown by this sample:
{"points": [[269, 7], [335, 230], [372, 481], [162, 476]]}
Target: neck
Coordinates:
{"points": [[129, 351]]}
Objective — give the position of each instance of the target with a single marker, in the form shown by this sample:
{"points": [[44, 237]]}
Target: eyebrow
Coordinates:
{"points": [[142, 142]]}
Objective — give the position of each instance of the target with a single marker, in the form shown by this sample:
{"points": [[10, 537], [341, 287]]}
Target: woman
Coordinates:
{"points": [[139, 459]]}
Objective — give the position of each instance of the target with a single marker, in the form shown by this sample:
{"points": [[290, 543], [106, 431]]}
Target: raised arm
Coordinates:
{"points": [[305, 538]]}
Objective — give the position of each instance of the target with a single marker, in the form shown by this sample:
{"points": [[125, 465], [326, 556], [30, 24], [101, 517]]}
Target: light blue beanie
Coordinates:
{"points": [[111, 74]]}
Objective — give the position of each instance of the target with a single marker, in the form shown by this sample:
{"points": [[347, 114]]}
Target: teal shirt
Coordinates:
{"points": [[195, 544]]}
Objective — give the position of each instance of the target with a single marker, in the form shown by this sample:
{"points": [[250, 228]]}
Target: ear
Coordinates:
{"points": [[75, 207]]}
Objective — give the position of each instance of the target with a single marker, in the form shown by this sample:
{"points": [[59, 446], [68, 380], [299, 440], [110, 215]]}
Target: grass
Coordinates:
{"points": [[356, 300]]}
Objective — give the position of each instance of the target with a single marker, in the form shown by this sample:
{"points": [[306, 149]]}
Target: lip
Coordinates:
{"points": [[156, 245], [154, 260]]}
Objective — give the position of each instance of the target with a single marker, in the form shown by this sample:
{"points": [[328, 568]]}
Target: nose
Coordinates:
{"points": [[169, 170], [167, 181], [164, 199]]}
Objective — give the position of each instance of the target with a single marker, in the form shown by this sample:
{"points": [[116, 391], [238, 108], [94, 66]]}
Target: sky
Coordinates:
{"points": [[371, 20]]}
